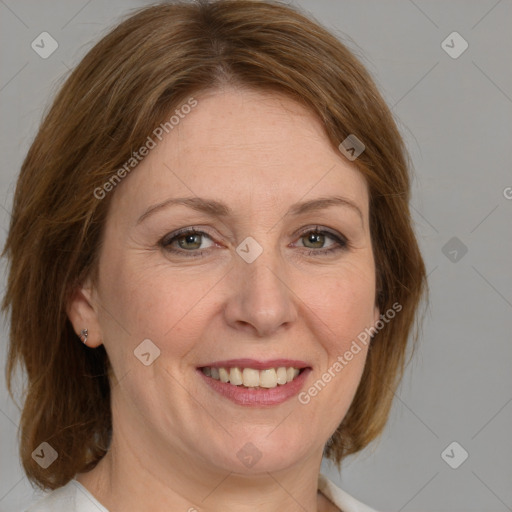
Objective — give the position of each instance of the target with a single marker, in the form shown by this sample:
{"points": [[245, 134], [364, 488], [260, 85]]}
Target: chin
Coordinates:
{"points": [[269, 451]]}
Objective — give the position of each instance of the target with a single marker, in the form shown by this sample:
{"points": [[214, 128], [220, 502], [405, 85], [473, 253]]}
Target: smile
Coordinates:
{"points": [[251, 377], [249, 382]]}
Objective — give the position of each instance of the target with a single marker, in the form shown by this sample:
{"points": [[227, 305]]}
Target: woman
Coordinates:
{"points": [[213, 274]]}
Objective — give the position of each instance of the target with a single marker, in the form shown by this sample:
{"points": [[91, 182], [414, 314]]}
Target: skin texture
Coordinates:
{"points": [[175, 440]]}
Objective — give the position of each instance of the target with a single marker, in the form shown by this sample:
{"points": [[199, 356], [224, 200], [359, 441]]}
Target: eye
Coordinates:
{"points": [[317, 237], [187, 240]]}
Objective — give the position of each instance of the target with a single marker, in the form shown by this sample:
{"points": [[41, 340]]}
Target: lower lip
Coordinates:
{"points": [[260, 396]]}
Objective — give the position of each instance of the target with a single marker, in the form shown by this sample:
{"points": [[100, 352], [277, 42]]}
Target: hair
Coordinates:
{"points": [[124, 88]]}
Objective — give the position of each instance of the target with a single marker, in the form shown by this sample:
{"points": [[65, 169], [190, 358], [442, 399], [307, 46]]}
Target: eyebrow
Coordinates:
{"points": [[219, 209]]}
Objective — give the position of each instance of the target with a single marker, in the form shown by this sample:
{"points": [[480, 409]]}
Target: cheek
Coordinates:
{"points": [[153, 301], [344, 306], [344, 302], [345, 309]]}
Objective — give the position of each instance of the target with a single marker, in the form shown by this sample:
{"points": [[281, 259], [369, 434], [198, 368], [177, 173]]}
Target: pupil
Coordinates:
{"points": [[315, 238], [188, 239]]}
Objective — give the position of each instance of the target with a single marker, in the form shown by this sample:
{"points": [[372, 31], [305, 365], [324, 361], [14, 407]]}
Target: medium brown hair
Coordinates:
{"points": [[123, 88]]}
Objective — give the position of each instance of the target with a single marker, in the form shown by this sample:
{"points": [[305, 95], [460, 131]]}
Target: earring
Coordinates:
{"points": [[83, 336]]}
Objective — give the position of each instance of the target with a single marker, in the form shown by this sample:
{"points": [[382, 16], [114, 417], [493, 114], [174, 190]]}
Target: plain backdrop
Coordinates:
{"points": [[455, 112]]}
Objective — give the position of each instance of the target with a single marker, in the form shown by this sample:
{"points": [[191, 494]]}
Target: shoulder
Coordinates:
{"points": [[72, 497], [340, 498]]}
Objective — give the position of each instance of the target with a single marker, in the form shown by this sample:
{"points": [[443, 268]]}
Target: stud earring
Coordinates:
{"points": [[83, 336]]}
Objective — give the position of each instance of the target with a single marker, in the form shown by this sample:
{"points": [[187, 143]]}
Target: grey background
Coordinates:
{"points": [[456, 117]]}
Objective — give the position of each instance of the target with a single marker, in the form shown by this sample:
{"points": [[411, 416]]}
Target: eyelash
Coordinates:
{"points": [[166, 241]]}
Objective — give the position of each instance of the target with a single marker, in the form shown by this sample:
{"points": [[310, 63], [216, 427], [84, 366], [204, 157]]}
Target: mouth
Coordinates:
{"points": [[253, 378], [257, 383]]}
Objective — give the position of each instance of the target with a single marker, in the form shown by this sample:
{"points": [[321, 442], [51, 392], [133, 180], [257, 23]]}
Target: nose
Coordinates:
{"points": [[261, 300]]}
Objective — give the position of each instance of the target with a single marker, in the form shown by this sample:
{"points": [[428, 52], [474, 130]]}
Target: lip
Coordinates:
{"points": [[250, 397], [257, 364]]}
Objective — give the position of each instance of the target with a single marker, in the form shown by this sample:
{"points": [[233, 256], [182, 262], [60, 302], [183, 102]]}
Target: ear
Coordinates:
{"points": [[82, 312]]}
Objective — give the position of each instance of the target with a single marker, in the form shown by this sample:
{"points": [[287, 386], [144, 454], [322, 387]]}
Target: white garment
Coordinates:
{"points": [[74, 497]]}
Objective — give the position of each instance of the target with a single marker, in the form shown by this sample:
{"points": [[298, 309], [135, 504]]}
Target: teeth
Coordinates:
{"points": [[235, 377], [224, 375], [268, 378], [281, 375], [291, 373], [251, 378]]}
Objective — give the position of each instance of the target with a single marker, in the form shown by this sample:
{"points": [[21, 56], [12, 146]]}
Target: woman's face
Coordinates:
{"points": [[252, 282]]}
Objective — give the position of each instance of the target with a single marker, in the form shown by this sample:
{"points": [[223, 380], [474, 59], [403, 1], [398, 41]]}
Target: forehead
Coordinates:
{"points": [[246, 148]]}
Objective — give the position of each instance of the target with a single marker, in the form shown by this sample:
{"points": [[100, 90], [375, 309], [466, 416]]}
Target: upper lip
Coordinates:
{"points": [[257, 364]]}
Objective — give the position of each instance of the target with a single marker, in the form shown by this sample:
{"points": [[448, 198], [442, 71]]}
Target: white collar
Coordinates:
{"points": [[339, 497]]}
